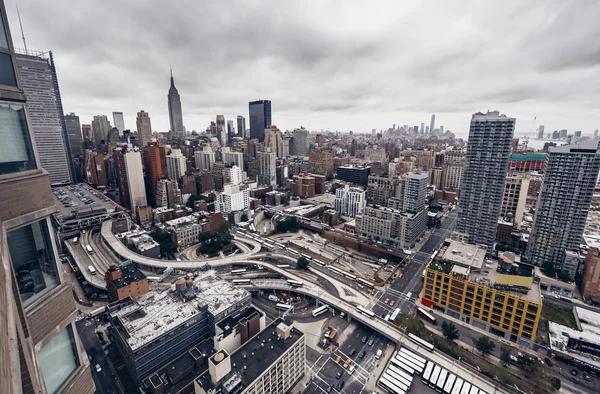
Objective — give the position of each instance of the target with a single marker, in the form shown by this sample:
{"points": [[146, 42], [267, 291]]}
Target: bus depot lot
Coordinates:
{"points": [[323, 370]]}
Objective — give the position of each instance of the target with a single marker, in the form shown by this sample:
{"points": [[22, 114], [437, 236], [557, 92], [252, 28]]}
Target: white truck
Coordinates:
{"points": [[273, 297]]}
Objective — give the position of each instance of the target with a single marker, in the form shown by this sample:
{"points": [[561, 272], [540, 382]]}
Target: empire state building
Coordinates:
{"points": [[175, 115]]}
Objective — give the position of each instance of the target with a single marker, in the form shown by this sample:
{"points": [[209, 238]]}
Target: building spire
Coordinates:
{"points": [[172, 81], [21, 24]]}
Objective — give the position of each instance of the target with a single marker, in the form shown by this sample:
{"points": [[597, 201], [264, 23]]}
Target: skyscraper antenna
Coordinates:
{"points": [[21, 24]]}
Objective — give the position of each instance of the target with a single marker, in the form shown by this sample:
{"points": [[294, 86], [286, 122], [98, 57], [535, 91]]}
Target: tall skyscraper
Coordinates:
{"points": [[40, 85], [301, 143], [274, 141], [135, 180], [205, 158], [74, 133], [221, 130], [100, 129], [155, 167], [241, 126], [176, 164], [175, 114], [260, 118], [230, 129], [432, 127], [486, 164], [144, 128], [267, 172], [563, 204], [540, 132], [40, 351], [422, 128], [119, 121]]}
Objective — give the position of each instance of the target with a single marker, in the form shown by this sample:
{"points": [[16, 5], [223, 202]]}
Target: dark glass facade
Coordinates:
{"points": [[260, 118]]}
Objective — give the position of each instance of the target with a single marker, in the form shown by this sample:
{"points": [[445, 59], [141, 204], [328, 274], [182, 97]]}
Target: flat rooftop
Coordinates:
{"points": [[79, 199], [463, 254], [129, 274], [161, 310], [590, 333], [522, 286], [228, 324], [256, 355]]}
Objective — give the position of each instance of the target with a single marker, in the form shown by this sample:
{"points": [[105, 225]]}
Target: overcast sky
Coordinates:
{"points": [[325, 65]]}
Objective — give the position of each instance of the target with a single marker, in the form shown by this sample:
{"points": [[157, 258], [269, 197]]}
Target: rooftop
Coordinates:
{"points": [[228, 324], [522, 286], [129, 274], [256, 355], [159, 311], [590, 333], [527, 156], [78, 201], [465, 255]]}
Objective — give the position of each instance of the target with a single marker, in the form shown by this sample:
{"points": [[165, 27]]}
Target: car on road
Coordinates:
{"points": [[352, 368], [371, 342], [574, 372], [392, 302], [338, 375], [364, 339], [387, 300], [352, 352], [547, 361], [340, 385], [98, 368], [362, 354], [586, 377]]}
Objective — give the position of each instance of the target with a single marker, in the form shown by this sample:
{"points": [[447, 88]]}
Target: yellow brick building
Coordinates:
{"points": [[462, 283]]}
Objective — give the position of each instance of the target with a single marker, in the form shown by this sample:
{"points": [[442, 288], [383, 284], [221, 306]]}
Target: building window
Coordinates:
{"points": [[16, 149], [58, 359], [3, 35], [33, 261]]}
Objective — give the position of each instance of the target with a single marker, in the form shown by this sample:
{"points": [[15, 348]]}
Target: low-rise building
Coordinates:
{"points": [[462, 283], [331, 217], [125, 281], [185, 230], [590, 285]]}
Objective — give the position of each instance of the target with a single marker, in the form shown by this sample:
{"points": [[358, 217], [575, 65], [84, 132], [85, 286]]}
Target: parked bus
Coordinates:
{"points": [[349, 276], [292, 251], [457, 386], [426, 315], [418, 365], [306, 256], [75, 240], [390, 378], [89, 249], [434, 376], [413, 355], [427, 372], [320, 310], [294, 283], [365, 311], [322, 264], [474, 390], [390, 387], [439, 386], [465, 388], [402, 366], [449, 383], [365, 283], [395, 315], [421, 342], [283, 266], [238, 271], [400, 375], [285, 307], [92, 270], [241, 281]]}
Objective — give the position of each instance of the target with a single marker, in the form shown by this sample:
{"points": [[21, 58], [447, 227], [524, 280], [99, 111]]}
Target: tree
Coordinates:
{"points": [[484, 344], [450, 331], [165, 242], [302, 263], [531, 366], [411, 324], [244, 218], [213, 243], [289, 224], [505, 355], [192, 200]]}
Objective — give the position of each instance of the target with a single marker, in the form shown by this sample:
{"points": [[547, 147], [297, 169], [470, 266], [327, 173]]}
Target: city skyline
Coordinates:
{"points": [[392, 91]]}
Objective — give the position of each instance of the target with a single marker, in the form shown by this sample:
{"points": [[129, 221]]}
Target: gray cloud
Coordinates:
{"points": [[325, 65]]}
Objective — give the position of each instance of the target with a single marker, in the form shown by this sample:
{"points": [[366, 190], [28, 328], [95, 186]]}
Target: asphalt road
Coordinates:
{"points": [[105, 380]]}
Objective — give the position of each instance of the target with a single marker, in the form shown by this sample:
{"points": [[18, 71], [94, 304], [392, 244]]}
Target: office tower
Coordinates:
{"points": [[176, 164], [350, 201], [40, 351], [175, 114], [100, 129], [144, 128], [578, 134], [260, 118], [135, 180], [355, 174], [119, 121], [221, 130], [40, 85], [155, 167], [233, 158], [426, 130], [422, 127], [267, 168], [205, 158], [432, 127], [232, 199], [241, 126], [564, 202], [74, 133], [562, 133], [488, 150], [230, 129], [274, 141], [540, 132], [301, 143], [514, 197]]}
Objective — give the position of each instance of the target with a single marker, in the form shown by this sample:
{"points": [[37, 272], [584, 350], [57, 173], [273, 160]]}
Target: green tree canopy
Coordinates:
{"points": [[450, 331], [244, 218], [484, 344], [165, 242], [302, 263], [288, 224], [411, 324], [505, 355], [213, 243]]}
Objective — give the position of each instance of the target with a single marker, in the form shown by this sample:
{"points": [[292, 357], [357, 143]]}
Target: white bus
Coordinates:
{"points": [[349, 276], [292, 251], [153, 278], [427, 372], [390, 387], [283, 266], [418, 358], [474, 390], [75, 240], [434, 376], [306, 256], [390, 378], [280, 245], [449, 383], [403, 366], [395, 315], [406, 362], [465, 388], [238, 272], [365, 311], [241, 281], [400, 375], [419, 365], [284, 307], [322, 264], [439, 386], [294, 283], [421, 342], [320, 310], [89, 249], [457, 386], [92, 270]]}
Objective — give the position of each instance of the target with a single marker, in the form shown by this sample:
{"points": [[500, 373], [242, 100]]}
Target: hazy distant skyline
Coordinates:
{"points": [[325, 65]]}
